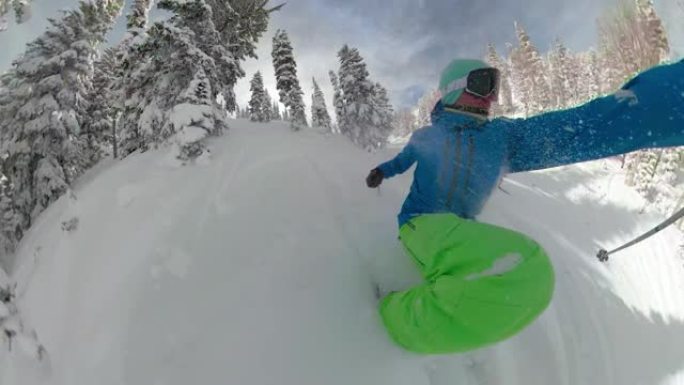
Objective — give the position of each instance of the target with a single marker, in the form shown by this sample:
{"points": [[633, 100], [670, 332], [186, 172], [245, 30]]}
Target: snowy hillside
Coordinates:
{"points": [[256, 265]]}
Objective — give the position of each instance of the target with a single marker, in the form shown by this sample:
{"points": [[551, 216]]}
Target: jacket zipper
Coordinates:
{"points": [[445, 171], [457, 169], [469, 167]]}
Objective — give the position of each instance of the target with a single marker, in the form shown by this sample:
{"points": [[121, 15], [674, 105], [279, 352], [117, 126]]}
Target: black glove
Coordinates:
{"points": [[374, 178]]}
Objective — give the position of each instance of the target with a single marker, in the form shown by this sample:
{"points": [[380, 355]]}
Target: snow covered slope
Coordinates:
{"points": [[255, 267]]}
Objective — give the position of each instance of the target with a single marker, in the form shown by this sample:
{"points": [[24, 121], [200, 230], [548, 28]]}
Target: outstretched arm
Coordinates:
{"points": [[402, 162], [647, 112]]}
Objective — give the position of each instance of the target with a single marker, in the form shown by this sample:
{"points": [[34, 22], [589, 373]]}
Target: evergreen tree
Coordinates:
{"points": [[646, 170], [267, 108], [633, 39], [516, 78], [505, 102], [319, 111], [667, 198], [116, 69], [552, 71], [196, 114], [366, 115], [629, 162], [528, 63], [381, 118], [286, 78], [338, 103], [137, 19], [584, 77], [215, 34], [21, 9], [562, 83], [10, 222], [258, 100], [99, 129], [276, 111], [592, 76], [243, 113], [668, 167], [611, 68], [47, 101], [520, 85], [115, 84], [426, 104], [202, 38], [9, 84], [240, 24], [355, 92], [404, 122], [653, 30], [557, 85], [619, 35]]}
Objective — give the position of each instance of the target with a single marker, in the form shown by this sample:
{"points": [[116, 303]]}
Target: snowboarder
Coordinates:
{"points": [[460, 159]]}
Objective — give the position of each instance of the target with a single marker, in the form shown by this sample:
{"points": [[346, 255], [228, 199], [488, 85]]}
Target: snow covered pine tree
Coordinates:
{"points": [[267, 107], [528, 65], [366, 114], [257, 113], [22, 11], [10, 223], [403, 123], [113, 76], [201, 45], [276, 111], [286, 79], [45, 105], [99, 128], [319, 111], [504, 103], [337, 100], [425, 106], [381, 117]]}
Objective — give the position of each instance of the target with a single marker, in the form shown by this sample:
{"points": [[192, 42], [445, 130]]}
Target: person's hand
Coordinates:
{"points": [[374, 178]]}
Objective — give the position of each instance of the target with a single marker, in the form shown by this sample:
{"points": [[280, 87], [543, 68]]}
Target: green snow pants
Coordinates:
{"points": [[483, 284]]}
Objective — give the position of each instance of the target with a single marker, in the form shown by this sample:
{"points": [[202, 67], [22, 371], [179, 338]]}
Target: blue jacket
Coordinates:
{"points": [[460, 159]]}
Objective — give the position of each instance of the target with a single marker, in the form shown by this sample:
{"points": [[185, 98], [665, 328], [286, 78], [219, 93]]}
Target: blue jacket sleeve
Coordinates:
{"points": [[402, 162], [648, 112]]}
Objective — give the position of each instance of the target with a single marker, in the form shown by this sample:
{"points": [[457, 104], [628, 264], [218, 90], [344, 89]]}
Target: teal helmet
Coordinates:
{"points": [[454, 78]]}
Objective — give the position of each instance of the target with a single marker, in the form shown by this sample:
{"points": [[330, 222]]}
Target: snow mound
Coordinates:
{"points": [[258, 266]]}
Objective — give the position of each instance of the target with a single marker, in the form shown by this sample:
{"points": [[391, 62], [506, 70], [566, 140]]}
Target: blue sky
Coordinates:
{"points": [[405, 42]]}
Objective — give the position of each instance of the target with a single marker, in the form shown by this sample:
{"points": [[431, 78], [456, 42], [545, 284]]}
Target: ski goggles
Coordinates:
{"points": [[481, 82]]}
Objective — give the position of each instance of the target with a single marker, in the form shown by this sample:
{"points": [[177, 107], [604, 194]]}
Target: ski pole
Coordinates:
{"points": [[603, 255]]}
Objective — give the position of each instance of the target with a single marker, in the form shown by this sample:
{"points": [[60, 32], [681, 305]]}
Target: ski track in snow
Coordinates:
{"points": [[257, 267]]}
